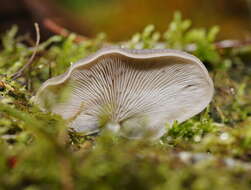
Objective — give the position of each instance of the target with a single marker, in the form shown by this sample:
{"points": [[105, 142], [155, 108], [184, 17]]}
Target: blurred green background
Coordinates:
{"points": [[122, 18]]}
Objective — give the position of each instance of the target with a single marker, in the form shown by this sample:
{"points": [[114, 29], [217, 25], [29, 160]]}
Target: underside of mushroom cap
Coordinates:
{"points": [[139, 90]]}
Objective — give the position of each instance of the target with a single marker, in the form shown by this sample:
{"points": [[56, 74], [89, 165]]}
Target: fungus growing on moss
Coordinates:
{"points": [[133, 92]]}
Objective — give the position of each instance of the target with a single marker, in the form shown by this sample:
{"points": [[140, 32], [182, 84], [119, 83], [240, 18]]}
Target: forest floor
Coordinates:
{"points": [[209, 151]]}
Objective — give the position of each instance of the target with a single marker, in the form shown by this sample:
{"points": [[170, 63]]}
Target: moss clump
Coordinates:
{"points": [[209, 151]]}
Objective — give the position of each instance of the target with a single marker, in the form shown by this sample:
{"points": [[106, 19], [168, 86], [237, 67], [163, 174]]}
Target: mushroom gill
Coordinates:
{"points": [[133, 92]]}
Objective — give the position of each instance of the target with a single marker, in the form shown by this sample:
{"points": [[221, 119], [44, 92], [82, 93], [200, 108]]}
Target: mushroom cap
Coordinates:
{"points": [[141, 91]]}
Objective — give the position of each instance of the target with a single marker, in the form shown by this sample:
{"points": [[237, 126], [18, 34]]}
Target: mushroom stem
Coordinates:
{"points": [[113, 127]]}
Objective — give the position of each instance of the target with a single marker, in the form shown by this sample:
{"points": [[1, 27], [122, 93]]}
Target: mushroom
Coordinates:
{"points": [[135, 93]]}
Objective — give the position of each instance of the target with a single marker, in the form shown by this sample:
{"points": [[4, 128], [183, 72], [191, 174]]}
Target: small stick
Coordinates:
{"points": [[225, 44], [232, 44], [20, 72], [57, 29]]}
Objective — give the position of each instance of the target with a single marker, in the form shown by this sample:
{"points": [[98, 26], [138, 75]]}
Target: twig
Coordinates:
{"points": [[232, 44], [225, 44], [66, 174], [57, 29], [29, 63]]}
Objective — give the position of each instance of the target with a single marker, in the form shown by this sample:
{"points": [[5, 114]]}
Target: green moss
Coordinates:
{"points": [[209, 151]]}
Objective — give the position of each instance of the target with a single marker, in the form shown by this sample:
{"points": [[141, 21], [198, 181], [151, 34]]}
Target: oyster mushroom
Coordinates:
{"points": [[133, 92]]}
